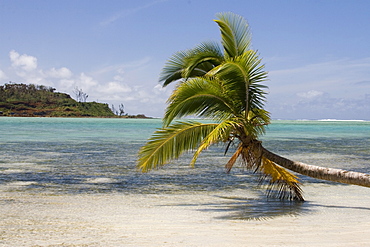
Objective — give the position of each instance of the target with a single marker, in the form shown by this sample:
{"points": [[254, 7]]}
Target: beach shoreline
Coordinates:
{"points": [[334, 215]]}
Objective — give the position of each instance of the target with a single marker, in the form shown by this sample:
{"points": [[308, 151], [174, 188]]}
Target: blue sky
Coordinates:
{"points": [[317, 52]]}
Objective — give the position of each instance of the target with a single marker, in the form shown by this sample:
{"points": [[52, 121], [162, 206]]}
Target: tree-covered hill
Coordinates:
{"points": [[18, 99]]}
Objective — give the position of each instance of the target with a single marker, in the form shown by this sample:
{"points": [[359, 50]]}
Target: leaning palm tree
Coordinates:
{"points": [[225, 84]]}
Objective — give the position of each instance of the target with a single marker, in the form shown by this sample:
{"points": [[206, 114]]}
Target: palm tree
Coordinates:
{"points": [[225, 84]]}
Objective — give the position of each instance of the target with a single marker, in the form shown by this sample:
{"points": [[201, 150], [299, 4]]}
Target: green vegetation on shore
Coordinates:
{"points": [[19, 99]]}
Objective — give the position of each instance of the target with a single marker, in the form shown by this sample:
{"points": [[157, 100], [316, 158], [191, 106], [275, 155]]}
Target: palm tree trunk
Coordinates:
{"points": [[329, 174]]}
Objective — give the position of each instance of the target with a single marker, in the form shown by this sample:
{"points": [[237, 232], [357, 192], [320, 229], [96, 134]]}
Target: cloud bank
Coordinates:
{"points": [[337, 89], [114, 84]]}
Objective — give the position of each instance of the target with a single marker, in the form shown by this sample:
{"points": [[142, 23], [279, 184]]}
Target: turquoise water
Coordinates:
{"points": [[92, 155]]}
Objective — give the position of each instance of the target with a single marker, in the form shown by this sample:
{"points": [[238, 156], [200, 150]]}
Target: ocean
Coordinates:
{"points": [[73, 182], [98, 155]]}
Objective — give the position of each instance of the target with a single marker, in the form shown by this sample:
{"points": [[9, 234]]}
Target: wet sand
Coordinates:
{"points": [[333, 215]]}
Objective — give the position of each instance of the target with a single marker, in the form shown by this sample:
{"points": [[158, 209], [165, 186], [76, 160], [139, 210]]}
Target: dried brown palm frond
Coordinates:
{"points": [[280, 182], [233, 158]]}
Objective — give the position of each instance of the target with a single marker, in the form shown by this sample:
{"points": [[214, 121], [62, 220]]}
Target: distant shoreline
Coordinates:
{"points": [[139, 116], [142, 116]]}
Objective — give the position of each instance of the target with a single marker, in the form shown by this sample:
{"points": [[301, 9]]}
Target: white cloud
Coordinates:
{"points": [[332, 89], [118, 78], [127, 12], [336, 77], [310, 94], [66, 85], [129, 83], [24, 68], [318, 105], [114, 88], [159, 89], [24, 62], [86, 82], [2, 75], [62, 73]]}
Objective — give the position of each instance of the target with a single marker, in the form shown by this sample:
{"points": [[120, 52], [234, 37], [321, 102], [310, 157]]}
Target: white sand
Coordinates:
{"points": [[333, 216]]}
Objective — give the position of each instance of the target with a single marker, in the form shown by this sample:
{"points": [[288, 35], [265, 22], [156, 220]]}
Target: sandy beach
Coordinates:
{"points": [[332, 216]]}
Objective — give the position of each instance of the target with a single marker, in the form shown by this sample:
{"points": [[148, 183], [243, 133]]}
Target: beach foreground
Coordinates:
{"points": [[333, 215]]}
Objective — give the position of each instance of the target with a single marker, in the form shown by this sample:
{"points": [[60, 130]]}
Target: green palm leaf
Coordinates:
{"points": [[173, 69], [202, 97], [236, 38], [202, 59], [191, 63], [169, 143], [221, 133], [243, 74]]}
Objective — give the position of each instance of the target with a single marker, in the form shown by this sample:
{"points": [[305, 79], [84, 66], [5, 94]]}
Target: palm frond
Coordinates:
{"points": [[221, 133], [233, 158], [244, 66], [257, 96], [243, 76], [191, 63], [202, 58], [259, 118], [235, 34], [249, 127], [169, 143], [202, 97], [281, 182], [251, 155], [173, 68]]}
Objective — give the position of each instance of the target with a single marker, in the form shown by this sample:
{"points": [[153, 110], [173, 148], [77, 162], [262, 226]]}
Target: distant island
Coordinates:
{"points": [[29, 100]]}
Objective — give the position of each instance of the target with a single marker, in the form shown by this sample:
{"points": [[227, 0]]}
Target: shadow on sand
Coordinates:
{"points": [[237, 208]]}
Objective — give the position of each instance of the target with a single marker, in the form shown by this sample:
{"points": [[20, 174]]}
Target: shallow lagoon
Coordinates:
{"points": [[73, 182]]}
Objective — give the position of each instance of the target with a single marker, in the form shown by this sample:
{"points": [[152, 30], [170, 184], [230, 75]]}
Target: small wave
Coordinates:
{"points": [[21, 183], [11, 171], [101, 181], [342, 120]]}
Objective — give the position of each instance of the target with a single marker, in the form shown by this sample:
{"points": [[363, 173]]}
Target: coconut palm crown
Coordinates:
{"points": [[224, 83]]}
